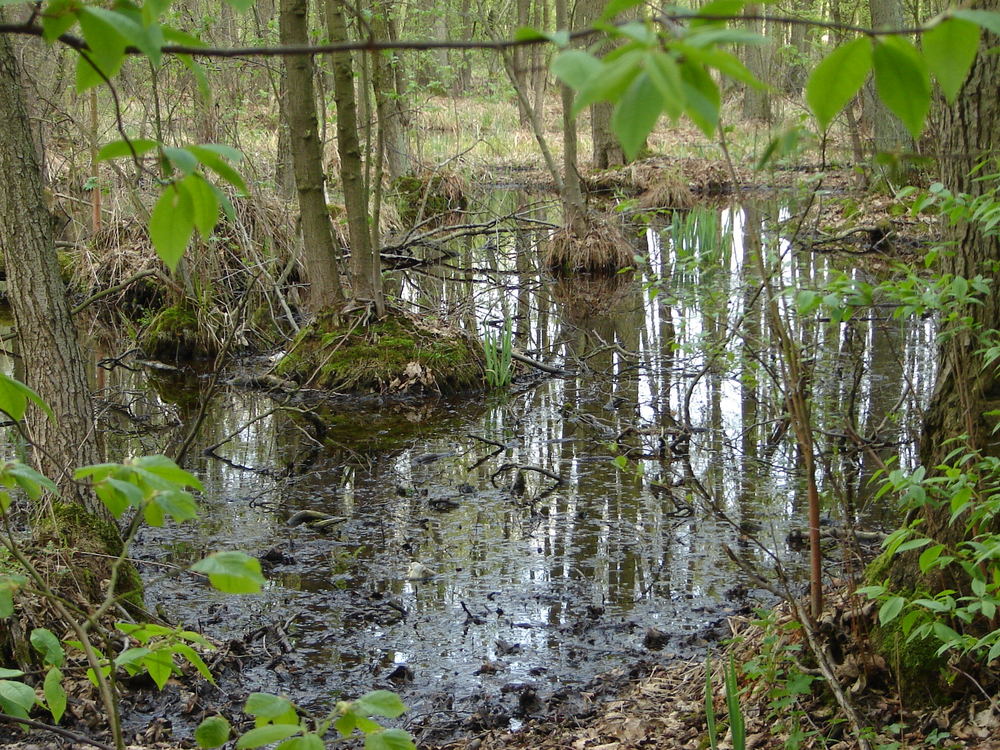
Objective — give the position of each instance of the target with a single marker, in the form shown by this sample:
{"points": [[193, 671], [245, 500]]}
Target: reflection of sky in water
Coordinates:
{"points": [[534, 570]]}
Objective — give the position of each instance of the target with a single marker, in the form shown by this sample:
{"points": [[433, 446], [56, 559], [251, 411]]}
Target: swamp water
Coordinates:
{"points": [[561, 520]]}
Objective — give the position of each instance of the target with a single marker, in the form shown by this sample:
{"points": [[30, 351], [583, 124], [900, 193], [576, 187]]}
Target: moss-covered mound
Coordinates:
{"points": [[394, 355], [426, 195], [174, 333]]}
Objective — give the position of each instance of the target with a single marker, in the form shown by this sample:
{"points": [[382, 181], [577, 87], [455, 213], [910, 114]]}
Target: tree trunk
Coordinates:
{"points": [[284, 169], [572, 190], [319, 252], [757, 102], [607, 150], [890, 136], [53, 360], [366, 270], [965, 389], [521, 56], [390, 104]]}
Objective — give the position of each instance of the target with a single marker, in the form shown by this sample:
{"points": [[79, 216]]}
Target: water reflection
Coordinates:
{"points": [[670, 439]]}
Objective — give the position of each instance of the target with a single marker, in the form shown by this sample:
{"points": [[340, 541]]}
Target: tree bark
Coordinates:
{"points": [[366, 270], [53, 360], [319, 252], [390, 104], [757, 102]]}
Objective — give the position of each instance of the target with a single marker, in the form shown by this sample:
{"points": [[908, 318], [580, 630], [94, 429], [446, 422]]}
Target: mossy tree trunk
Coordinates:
{"points": [[319, 251], [52, 358], [965, 391], [366, 270]]}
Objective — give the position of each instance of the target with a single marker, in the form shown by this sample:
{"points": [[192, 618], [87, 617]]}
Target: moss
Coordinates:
{"points": [[70, 527], [917, 667], [396, 354], [174, 333]]}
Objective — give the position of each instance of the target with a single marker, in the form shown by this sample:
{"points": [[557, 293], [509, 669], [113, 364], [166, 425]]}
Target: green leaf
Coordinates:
{"points": [[232, 572], [665, 74], [949, 49], [890, 609], [177, 504], [267, 734], [171, 224], [46, 643], [610, 82], [309, 741], [703, 97], [131, 30], [181, 158], [123, 148], [131, 658], [8, 585], [930, 556], [836, 80], [380, 703], [153, 9], [903, 82], [212, 732], [14, 398], [987, 19], [106, 50], [163, 467], [389, 739], [55, 694], [160, 665], [29, 480], [17, 694], [912, 544], [58, 18], [214, 157], [205, 204], [195, 660], [636, 113], [266, 707], [198, 71], [8, 673], [576, 68]]}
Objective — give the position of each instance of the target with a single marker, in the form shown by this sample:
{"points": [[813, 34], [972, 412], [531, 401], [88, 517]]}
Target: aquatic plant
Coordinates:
{"points": [[498, 351]]}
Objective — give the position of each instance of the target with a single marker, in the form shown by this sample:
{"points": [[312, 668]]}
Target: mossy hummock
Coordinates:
{"points": [[397, 354]]}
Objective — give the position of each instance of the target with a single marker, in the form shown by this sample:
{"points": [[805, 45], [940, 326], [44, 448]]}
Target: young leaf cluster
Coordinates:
{"points": [[962, 621], [278, 720]]}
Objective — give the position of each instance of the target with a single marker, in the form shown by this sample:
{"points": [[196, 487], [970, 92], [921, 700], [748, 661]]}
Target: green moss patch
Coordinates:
{"points": [[174, 334], [395, 355]]}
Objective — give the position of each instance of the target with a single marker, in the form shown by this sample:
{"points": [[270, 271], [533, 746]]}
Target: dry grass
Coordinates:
{"points": [[603, 249]]}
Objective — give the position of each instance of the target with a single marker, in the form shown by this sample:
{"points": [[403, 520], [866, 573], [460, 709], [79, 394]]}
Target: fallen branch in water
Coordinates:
{"points": [[525, 467]]}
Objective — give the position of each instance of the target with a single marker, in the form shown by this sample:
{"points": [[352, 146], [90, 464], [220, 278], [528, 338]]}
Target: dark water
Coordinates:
{"points": [[668, 441]]}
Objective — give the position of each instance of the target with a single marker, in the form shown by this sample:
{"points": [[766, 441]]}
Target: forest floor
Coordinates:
{"points": [[784, 704]]}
